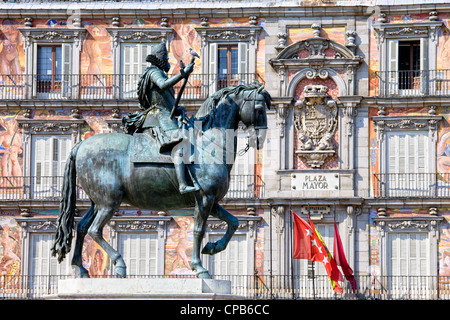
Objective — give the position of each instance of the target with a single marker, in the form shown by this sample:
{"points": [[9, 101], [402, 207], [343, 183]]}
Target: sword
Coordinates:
{"points": [[177, 101]]}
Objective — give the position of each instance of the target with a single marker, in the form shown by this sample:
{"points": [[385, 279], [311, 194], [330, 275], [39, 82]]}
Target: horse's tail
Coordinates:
{"points": [[63, 238]]}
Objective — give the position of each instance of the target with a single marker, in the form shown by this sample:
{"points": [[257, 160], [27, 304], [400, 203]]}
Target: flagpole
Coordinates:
{"points": [[312, 265], [270, 249], [292, 249]]}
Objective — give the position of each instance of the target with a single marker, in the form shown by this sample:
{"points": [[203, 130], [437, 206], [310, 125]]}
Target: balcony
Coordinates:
{"points": [[412, 83], [107, 86], [411, 185], [49, 188], [266, 287]]}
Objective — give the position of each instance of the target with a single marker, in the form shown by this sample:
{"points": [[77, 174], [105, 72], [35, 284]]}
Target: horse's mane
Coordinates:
{"points": [[209, 106]]}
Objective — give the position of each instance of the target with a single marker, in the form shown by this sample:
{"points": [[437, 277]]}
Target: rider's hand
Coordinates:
{"points": [[188, 69]]}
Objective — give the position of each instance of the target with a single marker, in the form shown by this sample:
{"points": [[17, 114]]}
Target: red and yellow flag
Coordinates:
{"points": [[308, 244]]}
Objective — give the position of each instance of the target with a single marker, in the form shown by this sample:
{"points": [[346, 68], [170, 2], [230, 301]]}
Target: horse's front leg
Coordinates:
{"points": [[219, 212], [202, 211]]}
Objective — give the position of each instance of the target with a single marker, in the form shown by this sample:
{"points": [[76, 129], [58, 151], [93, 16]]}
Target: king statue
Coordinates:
{"points": [[160, 116]]}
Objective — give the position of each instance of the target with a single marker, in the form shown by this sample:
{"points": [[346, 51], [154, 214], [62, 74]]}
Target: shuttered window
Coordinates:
{"points": [[42, 263], [406, 164], [228, 65], [53, 70], [49, 156], [233, 260], [139, 252], [133, 65], [409, 254]]}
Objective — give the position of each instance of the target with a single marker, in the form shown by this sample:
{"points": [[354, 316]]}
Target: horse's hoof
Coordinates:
{"points": [[121, 271], [203, 274], [209, 248]]}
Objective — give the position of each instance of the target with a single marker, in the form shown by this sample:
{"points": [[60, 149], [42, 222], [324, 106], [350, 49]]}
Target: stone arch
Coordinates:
{"points": [[306, 73]]}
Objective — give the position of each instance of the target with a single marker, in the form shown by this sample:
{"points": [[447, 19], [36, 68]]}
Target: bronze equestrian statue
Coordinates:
{"points": [[108, 172]]}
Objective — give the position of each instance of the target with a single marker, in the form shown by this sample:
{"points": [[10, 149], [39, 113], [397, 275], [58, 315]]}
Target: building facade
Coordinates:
{"points": [[357, 133]]}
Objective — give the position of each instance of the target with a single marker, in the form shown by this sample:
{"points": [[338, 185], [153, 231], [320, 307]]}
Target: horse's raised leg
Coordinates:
{"points": [[82, 229], [201, 213], [219, 212], [105, 214]]}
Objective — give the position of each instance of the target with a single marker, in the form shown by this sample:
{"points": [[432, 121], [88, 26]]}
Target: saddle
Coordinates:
{"points": [[144, 148]]}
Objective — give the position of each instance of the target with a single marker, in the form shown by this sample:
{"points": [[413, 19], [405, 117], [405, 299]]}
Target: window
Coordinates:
{"points": [[406, 164], [132, 66], [49, 157], [243, 181], [43, 267], [409, 64], [306, 269], [408, 263], [406, 60], [49, 68], [227, 65], [53, 70], [139, 252], [233, 260], [228, 56]]}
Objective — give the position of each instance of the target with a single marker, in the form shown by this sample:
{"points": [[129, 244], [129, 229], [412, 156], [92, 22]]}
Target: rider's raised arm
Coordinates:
{"points": [[163, 83]]}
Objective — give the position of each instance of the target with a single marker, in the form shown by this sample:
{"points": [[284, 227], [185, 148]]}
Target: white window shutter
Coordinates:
{"points": [[232, 261], [139, 252], [66, 70], [393, 66], [244, 77], [212, 74]]}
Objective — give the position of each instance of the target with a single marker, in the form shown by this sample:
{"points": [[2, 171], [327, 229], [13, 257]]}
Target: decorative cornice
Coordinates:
{"points": [[243, 33], [408, 224], [32, 34], [119, 34], [30, 126]]}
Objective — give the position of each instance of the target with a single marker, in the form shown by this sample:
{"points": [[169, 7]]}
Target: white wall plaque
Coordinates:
{"points": [[315, 181]]}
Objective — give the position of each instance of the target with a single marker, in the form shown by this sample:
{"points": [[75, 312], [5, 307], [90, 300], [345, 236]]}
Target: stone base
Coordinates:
{"points": [[141, 288]]}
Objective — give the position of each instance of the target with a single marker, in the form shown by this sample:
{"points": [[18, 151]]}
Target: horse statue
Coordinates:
{"points": [[107, 175]]}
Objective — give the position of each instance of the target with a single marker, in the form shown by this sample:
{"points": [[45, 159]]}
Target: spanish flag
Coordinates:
{"points": [[330, 264], [308, 244]]}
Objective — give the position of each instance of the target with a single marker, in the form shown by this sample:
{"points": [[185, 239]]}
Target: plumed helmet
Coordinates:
{"points": [[159, 57]]}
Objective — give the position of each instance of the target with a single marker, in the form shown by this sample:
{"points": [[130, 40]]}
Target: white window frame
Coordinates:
{"points": [[248, 225], [427, 125], [140, 252], [141, 225], [386, 226], [388, 35], [246, 38], [70, 40], [121, 36], [32, 227], [48, 183], [31, 127]]}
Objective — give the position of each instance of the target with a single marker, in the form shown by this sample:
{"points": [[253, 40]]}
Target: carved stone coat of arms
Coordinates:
{"points": [[315, 120]]}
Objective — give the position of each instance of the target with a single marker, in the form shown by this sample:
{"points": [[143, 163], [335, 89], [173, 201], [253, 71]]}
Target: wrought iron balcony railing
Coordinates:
{"points": [[107, 86], [412, 83], [411, 185], [269, 287], [49, 188]]}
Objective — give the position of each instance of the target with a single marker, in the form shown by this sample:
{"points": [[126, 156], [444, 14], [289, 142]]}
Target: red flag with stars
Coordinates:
{"points": [[306, 243], [309, 245]]}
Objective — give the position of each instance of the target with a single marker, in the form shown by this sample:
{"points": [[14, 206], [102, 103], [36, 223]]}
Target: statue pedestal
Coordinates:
{"points": [[143, 288]]}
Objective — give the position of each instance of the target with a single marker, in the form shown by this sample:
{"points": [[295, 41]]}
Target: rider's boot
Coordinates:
{"points": [[181, 175]]}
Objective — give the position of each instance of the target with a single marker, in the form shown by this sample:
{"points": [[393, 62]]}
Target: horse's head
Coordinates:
{"points": [[253, 115]]}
